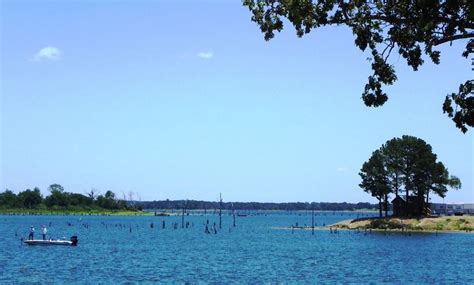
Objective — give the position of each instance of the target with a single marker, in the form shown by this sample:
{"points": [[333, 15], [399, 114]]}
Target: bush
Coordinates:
{"points": [[385, 224]]}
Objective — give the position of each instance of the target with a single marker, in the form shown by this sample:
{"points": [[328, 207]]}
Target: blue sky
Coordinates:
{"points": [[184, 99]]}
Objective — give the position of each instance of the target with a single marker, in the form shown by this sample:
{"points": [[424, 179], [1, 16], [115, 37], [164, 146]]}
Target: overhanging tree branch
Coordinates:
{"points": [[412, 27], [453, 38]]}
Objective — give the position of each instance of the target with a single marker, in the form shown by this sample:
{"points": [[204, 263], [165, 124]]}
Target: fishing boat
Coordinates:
{"points": [[73, 241]]}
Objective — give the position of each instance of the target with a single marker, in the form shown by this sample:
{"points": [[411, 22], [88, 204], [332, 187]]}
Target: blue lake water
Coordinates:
{"points": [[116, 249]]}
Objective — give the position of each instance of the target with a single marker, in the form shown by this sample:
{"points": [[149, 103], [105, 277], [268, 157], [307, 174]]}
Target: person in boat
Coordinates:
{"points": [[32, 233], [44, 231]]}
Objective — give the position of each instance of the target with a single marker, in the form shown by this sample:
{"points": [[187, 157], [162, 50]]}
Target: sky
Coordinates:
{"points": [[185, 99]]}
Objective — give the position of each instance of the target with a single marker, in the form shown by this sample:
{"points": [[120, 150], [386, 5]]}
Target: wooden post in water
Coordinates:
{"points": [[182, 215], [220, 211], [312, 221], [233, 213]]}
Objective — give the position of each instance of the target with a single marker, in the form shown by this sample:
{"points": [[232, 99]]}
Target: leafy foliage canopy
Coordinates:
{"points": [[412, 28]]}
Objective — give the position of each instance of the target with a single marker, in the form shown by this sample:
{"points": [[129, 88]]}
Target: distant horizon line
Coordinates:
{"points": [[44, 192], [288, 202]]}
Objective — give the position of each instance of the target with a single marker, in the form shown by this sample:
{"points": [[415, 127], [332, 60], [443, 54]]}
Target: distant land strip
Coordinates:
{"points": [[286, 206]]}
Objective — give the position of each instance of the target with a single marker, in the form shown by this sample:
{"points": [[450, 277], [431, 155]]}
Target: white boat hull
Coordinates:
{"points": [[48, 242]]}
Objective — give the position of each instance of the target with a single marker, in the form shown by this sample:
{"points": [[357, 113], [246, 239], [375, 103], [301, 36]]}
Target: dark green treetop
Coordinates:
{"points": [[407, 163], [375, 178], [9, 199], [55, 188], [30, 198], [412, 28]]}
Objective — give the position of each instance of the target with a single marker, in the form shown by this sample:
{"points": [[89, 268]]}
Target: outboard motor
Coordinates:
{"points": [[74, 240]]}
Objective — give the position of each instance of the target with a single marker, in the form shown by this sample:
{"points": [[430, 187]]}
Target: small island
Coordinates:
{"points": [[408, 165], [426, 224]]}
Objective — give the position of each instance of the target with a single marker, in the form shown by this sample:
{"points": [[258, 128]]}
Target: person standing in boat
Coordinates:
{"points": [[44, 231], [32, 233]]}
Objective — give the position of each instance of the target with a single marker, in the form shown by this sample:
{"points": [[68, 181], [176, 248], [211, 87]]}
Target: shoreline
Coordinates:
{"points": [[433, 225], [368, 231], [149, 212], [427, 224], [72, 213]]}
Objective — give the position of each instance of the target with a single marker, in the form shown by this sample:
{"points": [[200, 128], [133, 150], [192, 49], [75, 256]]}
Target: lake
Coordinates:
{"points": [[120, 249]]}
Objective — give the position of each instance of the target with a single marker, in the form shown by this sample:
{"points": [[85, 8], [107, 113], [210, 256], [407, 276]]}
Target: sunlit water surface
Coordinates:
{"points": [[116, 249]]}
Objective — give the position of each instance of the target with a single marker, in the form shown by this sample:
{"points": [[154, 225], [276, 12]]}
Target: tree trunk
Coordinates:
{"points": [[233, 216], [420, 202], [386, 205], [396, 185], [220, 211], [182, 219], [380, 207]]}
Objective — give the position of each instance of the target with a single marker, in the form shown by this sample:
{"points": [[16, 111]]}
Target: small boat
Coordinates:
{"points": [[72, 242]]}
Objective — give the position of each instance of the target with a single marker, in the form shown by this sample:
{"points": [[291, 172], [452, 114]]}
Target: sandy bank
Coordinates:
{"points": [[431, 224]]}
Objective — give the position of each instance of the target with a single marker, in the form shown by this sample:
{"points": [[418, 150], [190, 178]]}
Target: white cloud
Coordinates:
{"points": [[342, 169], [205, 55], [48, 53]]}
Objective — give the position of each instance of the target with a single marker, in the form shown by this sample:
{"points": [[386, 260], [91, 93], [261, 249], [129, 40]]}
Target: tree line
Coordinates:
{"points": [[290, 206], [408, 166], [60, 199]]}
